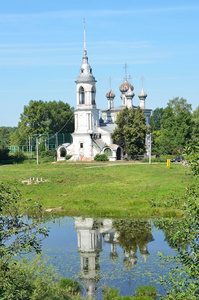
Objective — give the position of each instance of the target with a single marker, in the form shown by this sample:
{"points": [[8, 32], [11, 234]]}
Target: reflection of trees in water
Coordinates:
{"points": [[133, 233]]}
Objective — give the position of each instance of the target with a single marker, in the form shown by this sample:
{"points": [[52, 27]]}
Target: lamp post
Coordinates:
{"points": [[37, 143]]}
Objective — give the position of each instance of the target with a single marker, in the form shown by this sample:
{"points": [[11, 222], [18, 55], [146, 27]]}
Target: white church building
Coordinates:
{"points": [[93, 135]]}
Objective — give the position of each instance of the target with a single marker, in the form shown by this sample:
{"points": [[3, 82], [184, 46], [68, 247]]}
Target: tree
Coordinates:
{"points": [[195, 130], [5, 133], [18, 235], [131, 131], [46, 117], [155, 119], [176, 125], [18, 138], [118, 134], [135, 132], [156, 138], [183, 236], [196, 113]]}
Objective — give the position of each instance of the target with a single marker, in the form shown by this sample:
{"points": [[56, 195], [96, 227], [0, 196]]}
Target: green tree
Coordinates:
{"points": [[176, 125], [156, 139], [118, 134], [131, 131], [135, 132], [19, 235], [46, 117], [5, 133], [18, 138], [195, 130], [183, 236], [155, 119], [196, 113]]}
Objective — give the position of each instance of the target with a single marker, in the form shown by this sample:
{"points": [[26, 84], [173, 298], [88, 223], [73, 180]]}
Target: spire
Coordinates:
{"points": [[85, 70], [85, 51]]}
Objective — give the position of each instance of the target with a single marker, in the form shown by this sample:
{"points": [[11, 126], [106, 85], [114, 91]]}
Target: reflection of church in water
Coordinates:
{"points": [[91, 232]]}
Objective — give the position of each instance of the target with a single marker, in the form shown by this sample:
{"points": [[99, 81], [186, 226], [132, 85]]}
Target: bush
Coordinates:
{"points": [[101, 157], [48, 153], [35, 280], [146, 290], [19, 155], [4, 153], [67, 157]]}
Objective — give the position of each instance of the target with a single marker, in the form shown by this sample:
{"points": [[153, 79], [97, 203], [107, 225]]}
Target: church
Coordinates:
{"points": [[93, 135]]}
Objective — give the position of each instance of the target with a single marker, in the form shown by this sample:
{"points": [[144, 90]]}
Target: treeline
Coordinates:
{"points": [[174, 127]]}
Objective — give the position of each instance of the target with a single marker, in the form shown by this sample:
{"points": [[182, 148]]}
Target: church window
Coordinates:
{"points": [[81, 95], [81, 145], [82, 70], [90, 70], [93, 96]]}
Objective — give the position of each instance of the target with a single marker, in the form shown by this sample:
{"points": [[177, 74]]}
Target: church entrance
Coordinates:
{"points": [[108, 152], [118, 154], [62, 152]]}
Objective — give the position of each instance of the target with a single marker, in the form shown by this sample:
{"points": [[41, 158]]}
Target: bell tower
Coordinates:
{"points": [[86, 112]]}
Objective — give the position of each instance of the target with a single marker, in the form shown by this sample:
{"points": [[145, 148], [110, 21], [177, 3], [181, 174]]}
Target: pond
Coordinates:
{"points": [[117, 253]]}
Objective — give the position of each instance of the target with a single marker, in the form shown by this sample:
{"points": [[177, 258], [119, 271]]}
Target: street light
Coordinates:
{"points": [[37, 143]]}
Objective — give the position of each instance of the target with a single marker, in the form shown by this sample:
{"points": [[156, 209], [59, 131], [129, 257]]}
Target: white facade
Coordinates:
{"points": [[91, 136]]}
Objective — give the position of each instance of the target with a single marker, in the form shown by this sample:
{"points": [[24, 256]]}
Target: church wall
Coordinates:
{"points": [[82, 145]]}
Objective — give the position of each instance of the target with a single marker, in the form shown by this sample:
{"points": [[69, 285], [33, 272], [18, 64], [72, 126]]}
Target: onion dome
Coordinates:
{"points": [[125, 86], [142, 94], [130, 93], [110, 95]]}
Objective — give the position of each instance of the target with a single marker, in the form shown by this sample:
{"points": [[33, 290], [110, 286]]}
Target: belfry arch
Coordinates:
{"points": [[81, 95]]}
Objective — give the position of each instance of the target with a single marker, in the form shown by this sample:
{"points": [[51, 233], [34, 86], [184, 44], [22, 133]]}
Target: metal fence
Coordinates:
{"points": [[47, 141]]}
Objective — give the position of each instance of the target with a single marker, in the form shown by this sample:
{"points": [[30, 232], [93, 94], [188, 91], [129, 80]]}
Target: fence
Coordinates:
{"points": [[50, 141]]}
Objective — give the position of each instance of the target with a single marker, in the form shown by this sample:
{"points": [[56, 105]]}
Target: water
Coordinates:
{"points": [[119, 253]]}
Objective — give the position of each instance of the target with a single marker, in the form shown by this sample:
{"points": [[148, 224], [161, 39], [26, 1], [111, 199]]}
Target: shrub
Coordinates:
{"points": [[146, 290], [48, 153], [4, 153], [67, 157], [20, 155], [101, 157]]}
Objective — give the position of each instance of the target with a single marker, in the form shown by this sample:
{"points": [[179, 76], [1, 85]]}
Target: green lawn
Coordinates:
{"points": [[97, 189]]}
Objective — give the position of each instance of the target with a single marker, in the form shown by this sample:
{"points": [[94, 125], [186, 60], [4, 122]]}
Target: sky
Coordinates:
{"points": [[41, 50]]}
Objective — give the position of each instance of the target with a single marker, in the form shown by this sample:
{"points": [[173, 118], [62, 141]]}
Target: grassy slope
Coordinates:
{"points": [[83, 189]]}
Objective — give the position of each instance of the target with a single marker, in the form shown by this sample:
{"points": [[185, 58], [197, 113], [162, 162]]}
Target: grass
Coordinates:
{"points": [[88, 189]]}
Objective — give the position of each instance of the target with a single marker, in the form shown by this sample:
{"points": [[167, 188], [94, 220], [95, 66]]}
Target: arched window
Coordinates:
{"points": [[93, 96], [81, 95]]}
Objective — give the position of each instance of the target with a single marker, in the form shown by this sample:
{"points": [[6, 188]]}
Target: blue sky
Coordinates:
{"points": [[41, 49]]}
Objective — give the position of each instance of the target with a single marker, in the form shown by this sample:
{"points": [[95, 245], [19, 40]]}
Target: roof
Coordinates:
{"points": [[117, 108], [85, 74], [108, 127], [110, 94], [142, 94], [125, 86]]}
